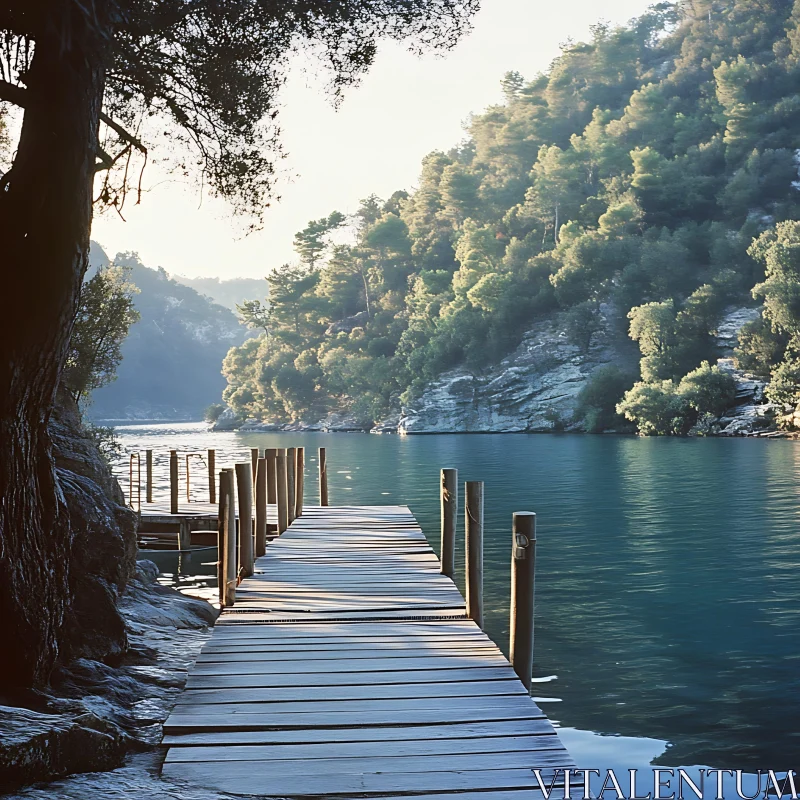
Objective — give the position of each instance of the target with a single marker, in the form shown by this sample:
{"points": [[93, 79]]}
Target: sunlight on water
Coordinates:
{"points": [[668, 600]]}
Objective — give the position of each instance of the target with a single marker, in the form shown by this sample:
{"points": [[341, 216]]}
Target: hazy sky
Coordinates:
{"points": [[405, 107]]}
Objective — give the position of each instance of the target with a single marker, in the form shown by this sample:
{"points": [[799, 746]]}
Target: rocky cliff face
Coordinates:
{"points": [[103, 541], [534, 389], [126, 642]]}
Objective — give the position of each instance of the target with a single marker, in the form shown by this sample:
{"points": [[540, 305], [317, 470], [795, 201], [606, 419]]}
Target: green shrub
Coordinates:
{"points": [[105, 438], [760, 347], [664, 408], [597, 401], [214, 412], [656, 408], [784, 386], [708, 390]]}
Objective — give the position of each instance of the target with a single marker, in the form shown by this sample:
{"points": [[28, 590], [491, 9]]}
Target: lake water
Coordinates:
{"points": [[668, 574]]}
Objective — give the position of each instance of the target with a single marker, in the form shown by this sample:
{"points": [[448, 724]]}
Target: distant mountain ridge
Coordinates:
{"points": [[172, 358], [228, 292]]}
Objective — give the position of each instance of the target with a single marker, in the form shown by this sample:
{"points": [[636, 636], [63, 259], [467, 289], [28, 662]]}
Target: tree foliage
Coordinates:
{"points": [[105, 314], [199, 81], [636, 172]]}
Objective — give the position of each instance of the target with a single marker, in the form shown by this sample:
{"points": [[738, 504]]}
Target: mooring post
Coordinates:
{"points": [[291, 489], [188, 479], [271, 454], [149, 473], [244, 485], [449, 503], [261, 507], [254, 452], [184, 535], [173, 481], [473, 516], [281, 484], [212, 486], [222, 534], [523, 573], [232, 549], [300, 481], [323, 477]]}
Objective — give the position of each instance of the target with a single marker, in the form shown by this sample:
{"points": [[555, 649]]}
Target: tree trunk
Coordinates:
{"points": [[45, 219]]}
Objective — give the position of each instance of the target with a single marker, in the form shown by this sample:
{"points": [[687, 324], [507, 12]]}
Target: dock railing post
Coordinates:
{"points": [[244, 485], [473, 534], [300, 481], [212, 475], [149, 473], [271, 454], [523, 573], [173, 481], [254, 452], [282, 498], [222, 534], [261, 508], [323, 477], [231, 549], [449, 503], [291, 465]]}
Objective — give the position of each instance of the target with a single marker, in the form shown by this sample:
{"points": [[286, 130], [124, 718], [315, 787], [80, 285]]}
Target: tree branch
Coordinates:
{"points": [[122, 133], [13, 94], [19, 96]]}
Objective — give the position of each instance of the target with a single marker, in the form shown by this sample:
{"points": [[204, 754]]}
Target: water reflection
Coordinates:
{"points": [[667, 591]]}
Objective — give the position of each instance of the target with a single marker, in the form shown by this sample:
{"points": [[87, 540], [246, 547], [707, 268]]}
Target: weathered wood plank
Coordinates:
{"points": [[304, 666], [426, 733], [481, 707], [363, 750], [385, 763], [254, 719], [323, 678], [361, 692], [248, 779], [348, 667]]}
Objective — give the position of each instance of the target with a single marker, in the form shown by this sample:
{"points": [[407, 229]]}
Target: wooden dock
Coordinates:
{"points": [[348, 668], [194, 523]]}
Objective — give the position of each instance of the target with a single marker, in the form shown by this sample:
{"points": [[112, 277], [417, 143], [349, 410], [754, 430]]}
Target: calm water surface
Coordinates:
{"points": [[668, 574]]}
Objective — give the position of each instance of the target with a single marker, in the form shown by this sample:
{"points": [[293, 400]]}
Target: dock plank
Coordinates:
{"points": [[348, 667]]}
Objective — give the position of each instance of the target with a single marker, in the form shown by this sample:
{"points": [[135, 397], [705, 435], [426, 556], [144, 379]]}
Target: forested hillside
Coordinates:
{"points": [[170, 366], [635, 173]]}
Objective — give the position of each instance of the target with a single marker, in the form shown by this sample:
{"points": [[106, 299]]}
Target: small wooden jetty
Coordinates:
{"points": [[348, 667]]}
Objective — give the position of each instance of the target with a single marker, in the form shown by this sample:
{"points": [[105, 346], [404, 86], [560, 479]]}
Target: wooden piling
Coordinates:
{"points": [[149, 474], [185, 535], [323, 477], [261, 507], [254, 453], [212, 486], [173, 481], [523, 573], [291, 466], [231, 545], [244, 486], [473, 534], [449, 508], [188, 479], [299, 481], [222, 534], [281, 488], [271, 454]]}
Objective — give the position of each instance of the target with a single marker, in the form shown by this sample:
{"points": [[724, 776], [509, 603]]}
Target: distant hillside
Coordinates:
{"points": [[173, 355], [227, 292]]}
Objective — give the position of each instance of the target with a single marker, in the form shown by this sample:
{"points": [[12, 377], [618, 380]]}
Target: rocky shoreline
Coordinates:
{"points": [[95, 715], [125, 645], [536, 388]]}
